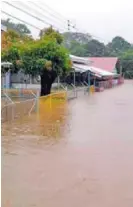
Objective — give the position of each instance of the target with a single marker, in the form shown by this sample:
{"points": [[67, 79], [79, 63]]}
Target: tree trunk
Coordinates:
{"points": [[43, 90], [47, 78]]}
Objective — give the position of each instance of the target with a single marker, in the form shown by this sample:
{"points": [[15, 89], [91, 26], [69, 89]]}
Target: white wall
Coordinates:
{"points": [[29, 86]]}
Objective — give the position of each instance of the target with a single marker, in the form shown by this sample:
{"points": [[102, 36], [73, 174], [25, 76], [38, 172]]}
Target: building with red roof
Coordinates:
{"points": [[106, 63]]}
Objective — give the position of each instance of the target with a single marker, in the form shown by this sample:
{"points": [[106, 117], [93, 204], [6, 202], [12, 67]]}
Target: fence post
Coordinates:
{"points": [[13, 112], [89, 80], [75, 90], [58, 82], [50, 100], [37, 101], [66, 93]]}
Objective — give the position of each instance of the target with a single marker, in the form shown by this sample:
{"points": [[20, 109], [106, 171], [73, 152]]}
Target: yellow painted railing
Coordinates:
{"points": [[44, 105], [92, 89], [51, 101]]}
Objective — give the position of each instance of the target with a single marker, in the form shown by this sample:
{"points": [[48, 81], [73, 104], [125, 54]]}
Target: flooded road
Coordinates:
{"points": [[79, 155]]}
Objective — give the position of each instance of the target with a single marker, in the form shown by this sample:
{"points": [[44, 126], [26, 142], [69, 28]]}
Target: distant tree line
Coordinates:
{"points": [[83, 45]]}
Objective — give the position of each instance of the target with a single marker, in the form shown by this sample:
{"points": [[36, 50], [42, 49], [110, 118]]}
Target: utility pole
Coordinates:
{"points": [[68, 25]]}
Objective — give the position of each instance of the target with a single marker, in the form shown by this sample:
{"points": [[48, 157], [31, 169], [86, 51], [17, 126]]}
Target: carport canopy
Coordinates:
{"points": [[98, 72]]}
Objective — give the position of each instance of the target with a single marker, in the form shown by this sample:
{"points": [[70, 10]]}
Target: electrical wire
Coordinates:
{"points": [[37, 18], [28, 13], [51, 14], [33, 16], [50, 18], [52, 10], [25, 22], [61, 20], [48, 23], [61, 16]]}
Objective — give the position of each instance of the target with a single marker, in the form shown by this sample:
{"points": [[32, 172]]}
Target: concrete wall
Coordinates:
{"points": [[20, 77], [30, 86], [23, 85]]}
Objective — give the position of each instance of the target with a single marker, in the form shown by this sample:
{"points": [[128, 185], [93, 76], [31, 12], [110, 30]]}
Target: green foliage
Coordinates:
{"points": [[77, 49], [76, 36], [128, 55], [83, 45], [11, 55], [127, 63], [21, 29], [13, 35], [39, 55], [95, 48], [51, 33], [118, 45]]}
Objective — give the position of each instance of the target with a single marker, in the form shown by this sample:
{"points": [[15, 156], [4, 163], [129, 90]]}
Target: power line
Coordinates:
{"points": [[54, 11], [46, 22], [21, 20], [33, 16], [27, 13], [63, 20], [62, 17], [41, 8], [25, 22], [26, 6], [39, 19]]}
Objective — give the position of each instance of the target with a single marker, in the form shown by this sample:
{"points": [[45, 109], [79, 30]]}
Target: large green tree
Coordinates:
{"points": [[77, 49], [81, 44], [45, 57], [127, 63], [117, 46], [79, 37], [95, 48]]}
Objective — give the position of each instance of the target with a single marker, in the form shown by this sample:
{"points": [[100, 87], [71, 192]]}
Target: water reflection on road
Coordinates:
{"points": [[79, 155]]}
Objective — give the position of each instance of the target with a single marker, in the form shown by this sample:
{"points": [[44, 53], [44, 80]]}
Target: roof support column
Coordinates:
{"points": [[74, 78], [89, 78]]}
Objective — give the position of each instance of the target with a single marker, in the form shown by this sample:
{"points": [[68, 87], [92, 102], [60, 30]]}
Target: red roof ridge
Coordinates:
{"points": [[105, 63]]}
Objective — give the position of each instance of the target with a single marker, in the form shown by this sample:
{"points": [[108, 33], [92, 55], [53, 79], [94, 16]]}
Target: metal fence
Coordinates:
{"points": [[15, 105], [17, 110], [110, 83], [19, 94]]}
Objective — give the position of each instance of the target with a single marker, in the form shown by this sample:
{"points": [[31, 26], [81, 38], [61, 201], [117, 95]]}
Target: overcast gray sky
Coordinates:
{"points": [[102, 18]]}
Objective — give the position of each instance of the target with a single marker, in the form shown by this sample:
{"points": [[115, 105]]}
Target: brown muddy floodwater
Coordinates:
{"points": [[79, 156]]}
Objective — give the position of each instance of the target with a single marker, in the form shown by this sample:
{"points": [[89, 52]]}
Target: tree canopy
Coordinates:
{"points": [[45, 57], [11, 37], [51, 33], [118, 45]]}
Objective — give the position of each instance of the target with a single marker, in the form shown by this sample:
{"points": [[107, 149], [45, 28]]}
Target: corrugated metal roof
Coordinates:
{"points": [[106, 63], [97, 71], [81, 60]]}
